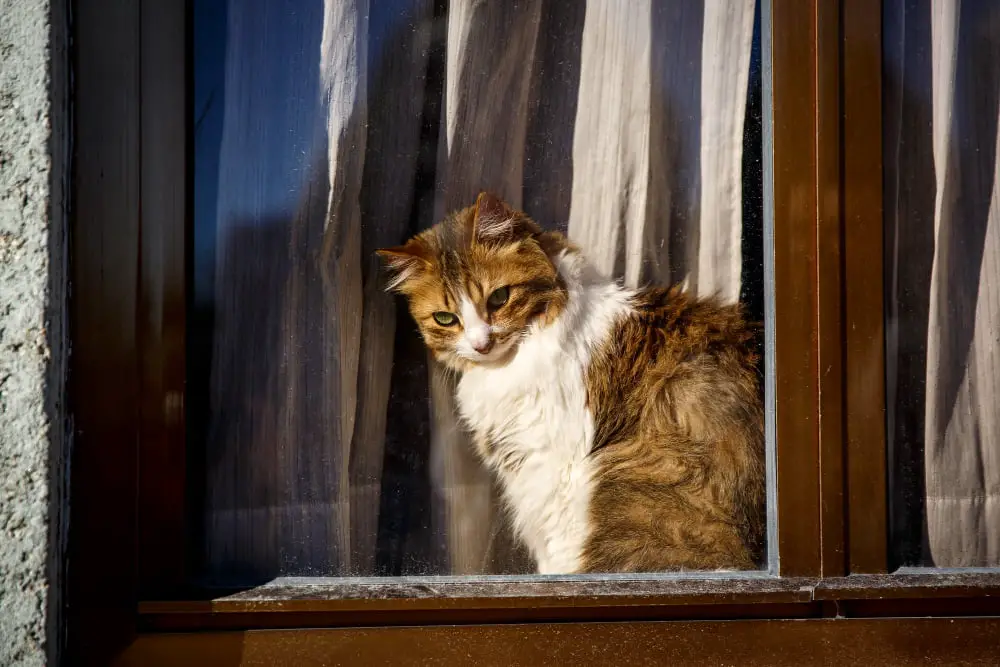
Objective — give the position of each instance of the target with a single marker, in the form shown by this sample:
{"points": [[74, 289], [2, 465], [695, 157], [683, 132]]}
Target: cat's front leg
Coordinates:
{"points": [[564, 562]]}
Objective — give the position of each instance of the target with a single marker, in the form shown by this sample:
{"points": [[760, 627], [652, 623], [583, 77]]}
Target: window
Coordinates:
{"points": [[253, 441], [320, 439]]}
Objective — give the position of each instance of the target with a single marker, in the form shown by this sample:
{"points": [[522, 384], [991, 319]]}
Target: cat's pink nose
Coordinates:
{"points": [[483, 348]]}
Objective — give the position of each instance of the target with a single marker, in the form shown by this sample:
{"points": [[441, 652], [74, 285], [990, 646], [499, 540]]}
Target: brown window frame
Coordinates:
{"points": [[129, 248]]}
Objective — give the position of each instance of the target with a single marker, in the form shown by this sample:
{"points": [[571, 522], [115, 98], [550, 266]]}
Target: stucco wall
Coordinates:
{"points": [[32, 263]]}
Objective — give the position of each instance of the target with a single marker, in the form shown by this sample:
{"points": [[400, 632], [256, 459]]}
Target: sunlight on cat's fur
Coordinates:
{"points": [[625, 426]]}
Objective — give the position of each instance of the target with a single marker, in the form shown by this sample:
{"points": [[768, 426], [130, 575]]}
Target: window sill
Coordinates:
{"points": [[301, 602]]}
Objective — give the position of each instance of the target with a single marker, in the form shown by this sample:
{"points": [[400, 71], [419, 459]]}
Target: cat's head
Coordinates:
{"points": [[477, 281]]}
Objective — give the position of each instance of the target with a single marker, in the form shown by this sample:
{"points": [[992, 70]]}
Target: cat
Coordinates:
{"points": [[625, 426]]}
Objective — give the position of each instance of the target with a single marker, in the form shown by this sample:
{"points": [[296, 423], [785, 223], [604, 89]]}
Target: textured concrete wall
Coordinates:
{"points": [[32, 264]]}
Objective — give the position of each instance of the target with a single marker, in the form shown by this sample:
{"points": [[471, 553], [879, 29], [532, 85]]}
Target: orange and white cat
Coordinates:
{"points": [[625, 425]]}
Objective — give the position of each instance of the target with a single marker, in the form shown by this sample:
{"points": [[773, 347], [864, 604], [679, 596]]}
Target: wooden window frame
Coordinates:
{"points": [[131, 213]]}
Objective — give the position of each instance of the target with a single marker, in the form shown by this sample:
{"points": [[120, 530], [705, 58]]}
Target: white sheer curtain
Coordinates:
{"points": [[943, 254], [621, 122]]}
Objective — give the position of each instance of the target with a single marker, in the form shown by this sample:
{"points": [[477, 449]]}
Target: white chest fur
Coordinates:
{"points": [[533, 413]]}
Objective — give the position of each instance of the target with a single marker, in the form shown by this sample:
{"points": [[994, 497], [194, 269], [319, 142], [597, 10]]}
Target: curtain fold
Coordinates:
{"points": [[963, 369], [611, 141], [725, 73], [491, 48], [344, 88], [943, 273]]}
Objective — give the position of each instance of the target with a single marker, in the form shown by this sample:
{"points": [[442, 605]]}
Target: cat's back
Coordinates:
{"points": [[672, 348], [672, 326]]}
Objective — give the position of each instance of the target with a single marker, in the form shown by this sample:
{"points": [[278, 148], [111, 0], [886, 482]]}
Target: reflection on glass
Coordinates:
{"points": [[324, 442], [942, 217]]}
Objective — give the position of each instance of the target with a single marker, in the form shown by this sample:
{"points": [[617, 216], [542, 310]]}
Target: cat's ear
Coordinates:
{"points": [[494, 221], [404, 262]]}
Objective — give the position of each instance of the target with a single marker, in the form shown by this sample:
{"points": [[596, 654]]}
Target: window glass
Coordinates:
{"points": [[324, 438], [942, 245]]}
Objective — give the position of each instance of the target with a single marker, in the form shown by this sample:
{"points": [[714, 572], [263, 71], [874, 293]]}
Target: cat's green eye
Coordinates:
{"points": [[498, 297], [445, 319]]}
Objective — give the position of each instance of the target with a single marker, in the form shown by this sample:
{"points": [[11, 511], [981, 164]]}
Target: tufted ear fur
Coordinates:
{"points": [[496, 222], [405, 262]]}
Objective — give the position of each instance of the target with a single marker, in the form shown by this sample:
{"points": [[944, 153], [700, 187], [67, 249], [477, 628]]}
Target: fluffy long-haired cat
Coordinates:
{"points": [[625, 425]]}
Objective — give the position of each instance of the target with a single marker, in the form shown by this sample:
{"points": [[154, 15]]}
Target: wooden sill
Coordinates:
{"points": [[290, 603], [336, 603], [909, 585]]}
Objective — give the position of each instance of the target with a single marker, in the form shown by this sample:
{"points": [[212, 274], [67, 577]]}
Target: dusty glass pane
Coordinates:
{"points": [[323, 440], [942, 226]]}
